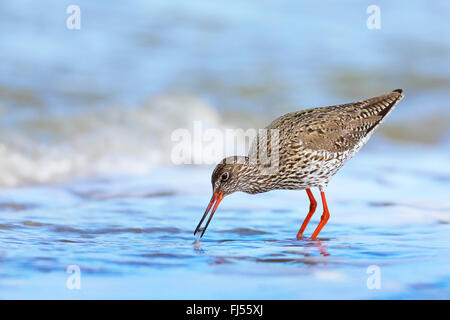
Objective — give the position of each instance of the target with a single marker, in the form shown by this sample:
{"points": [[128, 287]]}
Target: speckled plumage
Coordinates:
{"points": [[305, 148], [313, 145]]}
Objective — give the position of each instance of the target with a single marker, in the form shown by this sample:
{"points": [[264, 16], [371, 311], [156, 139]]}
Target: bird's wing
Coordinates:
{"points": [[335, 128]]}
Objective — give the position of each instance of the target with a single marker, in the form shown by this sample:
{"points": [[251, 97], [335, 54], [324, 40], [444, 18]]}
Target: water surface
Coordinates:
{"points": [[133, 239]]}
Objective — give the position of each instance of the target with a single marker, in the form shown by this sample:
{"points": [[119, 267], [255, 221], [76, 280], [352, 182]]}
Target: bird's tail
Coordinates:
{"points": [[374, 110], [380, 106], [368, 114]]}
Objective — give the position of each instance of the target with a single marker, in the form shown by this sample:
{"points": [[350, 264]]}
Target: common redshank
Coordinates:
{"points": [[311, 146]]}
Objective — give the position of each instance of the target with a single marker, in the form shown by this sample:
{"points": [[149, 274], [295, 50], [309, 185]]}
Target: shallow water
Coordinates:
{"points": [[132, 238]]}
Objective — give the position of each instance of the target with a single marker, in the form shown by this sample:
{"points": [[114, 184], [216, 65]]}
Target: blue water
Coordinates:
{"points": [[132, 238], [87, 179]]}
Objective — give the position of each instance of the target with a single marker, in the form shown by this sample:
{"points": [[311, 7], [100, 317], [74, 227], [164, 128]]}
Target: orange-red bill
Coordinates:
{"points": [[216, 198]]}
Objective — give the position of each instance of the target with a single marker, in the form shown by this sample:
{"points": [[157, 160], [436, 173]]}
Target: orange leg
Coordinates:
{"points": [[312, 209], [324, 218]]}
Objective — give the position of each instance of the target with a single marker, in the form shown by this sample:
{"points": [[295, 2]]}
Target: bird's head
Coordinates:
{"points": [[230, 175]]}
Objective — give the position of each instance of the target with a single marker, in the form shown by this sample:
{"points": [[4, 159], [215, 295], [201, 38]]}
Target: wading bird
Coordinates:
{"points": [[305, 148]]}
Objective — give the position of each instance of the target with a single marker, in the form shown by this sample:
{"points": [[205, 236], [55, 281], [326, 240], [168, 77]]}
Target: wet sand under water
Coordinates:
{"points": [[132, 237]]}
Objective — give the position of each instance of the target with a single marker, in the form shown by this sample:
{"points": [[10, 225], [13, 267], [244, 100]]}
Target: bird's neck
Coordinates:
{"points": [[257, 178]]}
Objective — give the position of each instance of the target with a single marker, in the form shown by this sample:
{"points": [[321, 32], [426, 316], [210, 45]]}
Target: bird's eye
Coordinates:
{"points": [[225, 176]]}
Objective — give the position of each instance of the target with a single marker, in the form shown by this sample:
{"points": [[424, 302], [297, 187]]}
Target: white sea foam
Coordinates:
{"points": [[114, 140]]}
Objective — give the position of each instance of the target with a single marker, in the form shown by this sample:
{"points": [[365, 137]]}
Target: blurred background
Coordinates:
{"points": [[104, 99], [86, 177]]}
